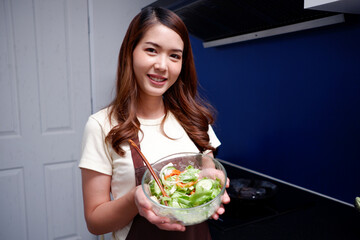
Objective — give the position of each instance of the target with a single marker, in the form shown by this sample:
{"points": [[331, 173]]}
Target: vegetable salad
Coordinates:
{"points": [[184, 188]]}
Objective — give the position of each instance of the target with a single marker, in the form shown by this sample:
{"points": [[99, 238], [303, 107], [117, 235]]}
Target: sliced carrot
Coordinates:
{"points": [[173, 172], [189, 184], [180, 184]]}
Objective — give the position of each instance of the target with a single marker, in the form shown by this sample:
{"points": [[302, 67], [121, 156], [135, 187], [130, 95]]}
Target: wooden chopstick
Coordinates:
{"points": [[150, 168]]}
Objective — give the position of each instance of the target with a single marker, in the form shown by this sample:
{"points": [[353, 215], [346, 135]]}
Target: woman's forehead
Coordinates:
{"points": [[163, 36]]}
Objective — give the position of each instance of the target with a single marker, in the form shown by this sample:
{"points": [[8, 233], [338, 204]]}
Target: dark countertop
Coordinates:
{"points": [[291, 213]]}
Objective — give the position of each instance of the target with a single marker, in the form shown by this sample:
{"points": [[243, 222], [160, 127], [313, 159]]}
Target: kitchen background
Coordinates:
{"points": [[288, 106]]}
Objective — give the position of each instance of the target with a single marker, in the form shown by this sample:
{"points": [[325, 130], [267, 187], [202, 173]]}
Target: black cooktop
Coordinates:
{"points": [[281, 211]]}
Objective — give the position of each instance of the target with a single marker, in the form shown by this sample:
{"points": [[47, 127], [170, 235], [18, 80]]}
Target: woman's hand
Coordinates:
{"points": [[224, 200], [213, 173], [144, 207]]}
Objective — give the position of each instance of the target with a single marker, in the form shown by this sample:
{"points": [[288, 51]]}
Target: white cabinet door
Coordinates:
{"points": [[44, 104]]}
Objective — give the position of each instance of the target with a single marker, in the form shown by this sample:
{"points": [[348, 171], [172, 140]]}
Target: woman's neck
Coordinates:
{"points": [[150, 108]]}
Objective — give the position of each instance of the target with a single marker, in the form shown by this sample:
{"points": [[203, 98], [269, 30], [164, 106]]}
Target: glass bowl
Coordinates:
{"points": [[209, 168]]}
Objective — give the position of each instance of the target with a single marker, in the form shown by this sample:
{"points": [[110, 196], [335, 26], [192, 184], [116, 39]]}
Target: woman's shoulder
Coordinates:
{"points": [[102, 114], [102, 118]]}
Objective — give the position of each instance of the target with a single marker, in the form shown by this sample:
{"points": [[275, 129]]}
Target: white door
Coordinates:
{"points": [[44, 104]]}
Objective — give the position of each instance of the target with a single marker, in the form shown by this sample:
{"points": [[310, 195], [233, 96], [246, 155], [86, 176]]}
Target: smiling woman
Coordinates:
{"points": [[158, 107], [157, 65]]}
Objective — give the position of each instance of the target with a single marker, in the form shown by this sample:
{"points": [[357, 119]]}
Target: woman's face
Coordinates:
{"points": [[157, 60]]}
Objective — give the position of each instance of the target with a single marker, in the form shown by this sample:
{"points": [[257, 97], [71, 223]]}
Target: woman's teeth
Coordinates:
{"points": [[157, 79]]}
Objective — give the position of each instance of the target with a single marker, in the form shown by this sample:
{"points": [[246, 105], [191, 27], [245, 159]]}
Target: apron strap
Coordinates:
{"points": [[139, 165]]}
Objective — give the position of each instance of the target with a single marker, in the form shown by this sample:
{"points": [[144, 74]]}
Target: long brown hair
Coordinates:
{"points": [[182, 99]]}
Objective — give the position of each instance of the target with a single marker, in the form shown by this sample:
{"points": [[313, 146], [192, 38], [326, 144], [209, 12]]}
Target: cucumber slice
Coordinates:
{"points": [[204, 185], [154, 189]]}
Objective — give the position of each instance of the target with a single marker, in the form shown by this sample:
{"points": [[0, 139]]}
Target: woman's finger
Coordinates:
{"points": [[225, 199], [220, 210], [227, 182], [164, 222], [171, 227]]}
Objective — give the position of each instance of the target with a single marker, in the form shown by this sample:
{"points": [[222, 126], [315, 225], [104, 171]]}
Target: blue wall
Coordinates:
{"points": [[289, 106]]}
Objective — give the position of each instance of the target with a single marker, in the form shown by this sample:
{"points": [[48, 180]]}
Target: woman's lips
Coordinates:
{"points": [[157, 79]]}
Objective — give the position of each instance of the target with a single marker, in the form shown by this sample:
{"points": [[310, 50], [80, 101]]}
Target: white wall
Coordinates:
{"points": [[109, 20]]}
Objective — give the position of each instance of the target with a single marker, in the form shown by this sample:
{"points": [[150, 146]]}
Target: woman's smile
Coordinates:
{"points": [[157, 79]]}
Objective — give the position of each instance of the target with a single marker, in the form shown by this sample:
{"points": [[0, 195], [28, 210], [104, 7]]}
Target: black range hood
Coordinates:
{"points": [[218, 22]]}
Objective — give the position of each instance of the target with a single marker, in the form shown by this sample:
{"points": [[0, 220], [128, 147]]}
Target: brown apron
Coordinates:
{"points": [[141, 228]]}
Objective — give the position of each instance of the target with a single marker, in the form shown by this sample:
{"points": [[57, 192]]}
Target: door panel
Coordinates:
{"points": [[44, 104], [60, 205], [54, 46], [8, 89], [12, 183]]}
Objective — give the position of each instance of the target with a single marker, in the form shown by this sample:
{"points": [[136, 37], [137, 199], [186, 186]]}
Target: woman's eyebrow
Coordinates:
{"points": [[158, 46]]}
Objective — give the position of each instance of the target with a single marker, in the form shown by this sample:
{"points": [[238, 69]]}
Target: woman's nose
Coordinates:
{"points": [[160, 64]]}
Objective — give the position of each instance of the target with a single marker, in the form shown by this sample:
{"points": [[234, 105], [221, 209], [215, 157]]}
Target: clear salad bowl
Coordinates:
{"points": [[207, 170]]}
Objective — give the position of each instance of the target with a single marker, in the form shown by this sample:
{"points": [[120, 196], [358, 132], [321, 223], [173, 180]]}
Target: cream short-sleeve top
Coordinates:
{"points": [[98, 156]]}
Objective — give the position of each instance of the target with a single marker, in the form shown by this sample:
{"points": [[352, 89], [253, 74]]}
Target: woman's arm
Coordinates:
{"points": [[101, 214]]}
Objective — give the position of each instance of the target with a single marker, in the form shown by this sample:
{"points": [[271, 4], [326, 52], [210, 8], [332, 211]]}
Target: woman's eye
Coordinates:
{"points": [[151, 50], [175, 56]]}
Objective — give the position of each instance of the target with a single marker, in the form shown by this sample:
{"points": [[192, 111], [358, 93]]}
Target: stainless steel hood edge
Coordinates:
{"points": [[277, 31]]}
